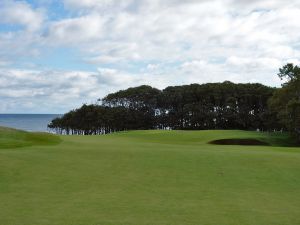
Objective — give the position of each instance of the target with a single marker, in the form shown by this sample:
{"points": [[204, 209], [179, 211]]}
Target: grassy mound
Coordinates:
{"points": [[235, 137], [12, 138], [244, 141], [151, 177]]}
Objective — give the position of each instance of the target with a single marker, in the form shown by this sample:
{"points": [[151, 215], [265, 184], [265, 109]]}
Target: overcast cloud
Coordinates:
{"points": [[56, 55]]}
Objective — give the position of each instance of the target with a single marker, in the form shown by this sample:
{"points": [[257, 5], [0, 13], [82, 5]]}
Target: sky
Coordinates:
{"points": [[56, 55]]}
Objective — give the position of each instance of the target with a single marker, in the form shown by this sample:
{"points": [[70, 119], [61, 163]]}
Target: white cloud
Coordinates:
{"points": [[20, 39], [92, 4], [21, 13], [76, 30], [4, 63], [246, 5], [156, 42], [57, 90], [60, 91], [153, 67], [177, 30]]}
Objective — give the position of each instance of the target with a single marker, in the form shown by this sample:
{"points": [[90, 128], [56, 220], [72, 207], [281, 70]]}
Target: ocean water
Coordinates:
{"points": [[28, 122]]}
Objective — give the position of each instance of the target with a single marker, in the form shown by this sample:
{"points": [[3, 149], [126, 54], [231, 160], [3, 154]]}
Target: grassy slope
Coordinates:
{"points": [[11, 138], [151, 177]]}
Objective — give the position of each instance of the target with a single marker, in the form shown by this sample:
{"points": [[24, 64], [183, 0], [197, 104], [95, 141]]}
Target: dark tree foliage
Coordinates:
{"points": [[191, 107], [285, 102]]}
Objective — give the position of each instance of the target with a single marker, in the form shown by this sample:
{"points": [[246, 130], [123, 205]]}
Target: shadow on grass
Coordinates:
{"points": [[244, 141]]}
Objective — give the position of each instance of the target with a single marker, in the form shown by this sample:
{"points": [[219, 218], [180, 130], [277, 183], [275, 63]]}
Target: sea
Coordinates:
{"points": [[28, 122]]}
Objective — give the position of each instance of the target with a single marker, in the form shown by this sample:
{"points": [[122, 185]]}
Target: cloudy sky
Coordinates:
{"points": [[57, 54]]}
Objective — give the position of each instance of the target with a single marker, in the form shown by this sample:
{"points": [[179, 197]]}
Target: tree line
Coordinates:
{"points": [[191, 107]]}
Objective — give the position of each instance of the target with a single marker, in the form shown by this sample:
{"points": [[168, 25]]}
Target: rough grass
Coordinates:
{"points": [[12, 138], [153, 178]]}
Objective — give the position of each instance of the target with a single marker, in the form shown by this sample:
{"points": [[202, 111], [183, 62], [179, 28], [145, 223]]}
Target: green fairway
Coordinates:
{"points": [[148, 178]]}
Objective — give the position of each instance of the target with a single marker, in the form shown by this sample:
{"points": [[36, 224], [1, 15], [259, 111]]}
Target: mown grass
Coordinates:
{"points": [[150, 177]]}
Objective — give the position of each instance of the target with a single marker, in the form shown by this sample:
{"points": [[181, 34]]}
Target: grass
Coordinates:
{"points": [[148, 178], [11, 138]]}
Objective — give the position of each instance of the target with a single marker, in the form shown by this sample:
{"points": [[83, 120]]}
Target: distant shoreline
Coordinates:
{"points": [[27, 121], [31, 113]]}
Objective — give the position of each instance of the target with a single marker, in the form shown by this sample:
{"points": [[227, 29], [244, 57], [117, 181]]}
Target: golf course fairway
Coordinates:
{"points": [[148, 178]]}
